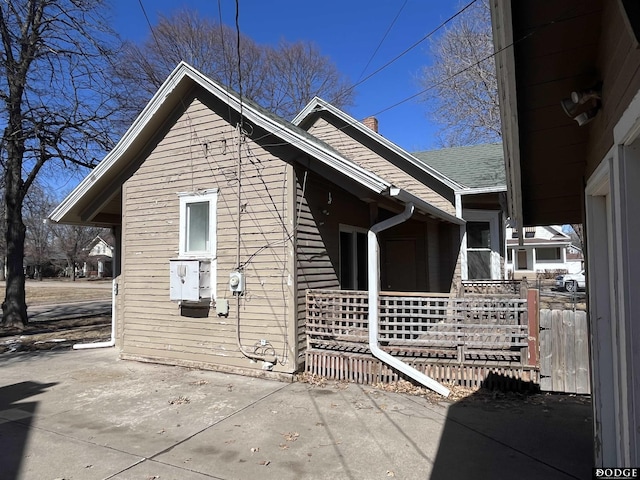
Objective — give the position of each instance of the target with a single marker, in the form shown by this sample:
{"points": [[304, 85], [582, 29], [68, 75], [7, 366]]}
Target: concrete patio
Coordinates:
{"points": [[87, 415]]}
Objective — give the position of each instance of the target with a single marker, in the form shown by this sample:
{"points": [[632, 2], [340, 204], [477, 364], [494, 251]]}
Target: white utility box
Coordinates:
{"points": [[190, 280]]}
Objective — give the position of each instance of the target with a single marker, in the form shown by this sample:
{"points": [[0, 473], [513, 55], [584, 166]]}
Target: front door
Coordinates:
{"points": [[400, 266]]}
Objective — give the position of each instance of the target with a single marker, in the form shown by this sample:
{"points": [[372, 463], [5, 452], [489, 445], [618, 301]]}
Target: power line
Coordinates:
{"points": [[153, 33], [407, 50], [239, 62], [382, 40]]}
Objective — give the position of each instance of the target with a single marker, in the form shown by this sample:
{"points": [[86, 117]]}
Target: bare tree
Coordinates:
{"points": [[577, 234], [296, 73], [281, 79], [38, 247], [72, 241], [462, 83], [55, 102]]}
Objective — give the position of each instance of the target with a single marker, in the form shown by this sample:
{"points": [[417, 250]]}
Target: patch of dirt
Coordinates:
{"points": [[55, 334]]}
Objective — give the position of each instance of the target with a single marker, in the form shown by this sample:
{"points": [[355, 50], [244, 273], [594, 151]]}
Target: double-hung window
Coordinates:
{"points": [[198, 224]]}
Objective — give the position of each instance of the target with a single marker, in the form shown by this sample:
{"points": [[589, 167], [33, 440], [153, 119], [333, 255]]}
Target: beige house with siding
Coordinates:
{"points": [[224, 215]]}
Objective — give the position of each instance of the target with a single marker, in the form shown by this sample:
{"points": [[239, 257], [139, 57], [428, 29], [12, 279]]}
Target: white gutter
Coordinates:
{"points": [[374, 295], [112, 342]]}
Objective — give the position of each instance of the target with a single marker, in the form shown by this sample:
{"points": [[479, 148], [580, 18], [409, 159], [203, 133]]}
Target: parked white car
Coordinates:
{"points": [[571, 282]]}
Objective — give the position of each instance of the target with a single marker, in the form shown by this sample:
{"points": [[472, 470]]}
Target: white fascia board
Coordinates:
{"points": [[512, 242], [476, 191], [423, 206], [319, 104], [502, 27], [342, 165], [125, 142], [315, 104]]}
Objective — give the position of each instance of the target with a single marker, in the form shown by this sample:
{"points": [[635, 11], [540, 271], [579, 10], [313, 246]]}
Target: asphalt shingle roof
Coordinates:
{"points": [[477, 166]]}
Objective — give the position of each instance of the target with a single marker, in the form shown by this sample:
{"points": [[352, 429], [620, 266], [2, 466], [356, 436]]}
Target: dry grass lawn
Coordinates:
{"points": [[50, 292], [59, 334]]}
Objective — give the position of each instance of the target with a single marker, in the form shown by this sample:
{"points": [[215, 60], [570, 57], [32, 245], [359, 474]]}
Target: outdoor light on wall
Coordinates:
{"points": [[573, 105]]}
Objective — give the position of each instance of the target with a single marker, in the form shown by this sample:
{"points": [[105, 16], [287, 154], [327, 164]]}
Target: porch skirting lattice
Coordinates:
{"points": [[364, 368], [472, 341]]}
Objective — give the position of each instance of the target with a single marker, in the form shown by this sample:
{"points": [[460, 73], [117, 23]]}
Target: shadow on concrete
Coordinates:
{"points": [[493, 434], [43, 313], [16, 416]]}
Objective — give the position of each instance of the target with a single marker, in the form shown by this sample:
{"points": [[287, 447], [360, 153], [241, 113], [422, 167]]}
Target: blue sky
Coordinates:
{"points": [[348, 31]]}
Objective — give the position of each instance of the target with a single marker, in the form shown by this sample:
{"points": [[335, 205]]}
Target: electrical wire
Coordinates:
{"points": [[226, 59], [238, 53], [407, 50], [560, 18], [382, 40]]}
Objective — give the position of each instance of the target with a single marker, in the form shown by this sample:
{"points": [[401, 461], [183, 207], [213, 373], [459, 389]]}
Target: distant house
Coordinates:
{"points": [[545, 251], [99, 261], [225, 215]]}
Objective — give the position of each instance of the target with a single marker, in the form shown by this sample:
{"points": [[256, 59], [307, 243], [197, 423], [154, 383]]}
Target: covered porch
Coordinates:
{"points": [[465, 338]]}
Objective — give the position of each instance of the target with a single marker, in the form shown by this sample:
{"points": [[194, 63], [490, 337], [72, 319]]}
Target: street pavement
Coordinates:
{"points": [[86, 414]]}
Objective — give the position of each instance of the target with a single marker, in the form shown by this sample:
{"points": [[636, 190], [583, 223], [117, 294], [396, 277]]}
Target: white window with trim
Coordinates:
{"points": [[198, 224]]}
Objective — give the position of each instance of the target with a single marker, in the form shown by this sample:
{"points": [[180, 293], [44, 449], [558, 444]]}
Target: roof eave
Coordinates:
{"points": [[317, 104], [501, 21], [424, 207], [184, 72], [480, 190]]}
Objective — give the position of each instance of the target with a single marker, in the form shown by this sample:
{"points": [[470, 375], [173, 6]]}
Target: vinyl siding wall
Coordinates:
{"points": [[200, 152], [322, 208], [370, 160], [619, 64]]}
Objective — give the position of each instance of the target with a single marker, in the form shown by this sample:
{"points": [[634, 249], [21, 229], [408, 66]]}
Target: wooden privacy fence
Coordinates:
{"points": [[472, 334], [564, 351]]}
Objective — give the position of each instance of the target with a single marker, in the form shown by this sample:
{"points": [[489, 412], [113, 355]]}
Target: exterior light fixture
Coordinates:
{"points": [[572, 106]]}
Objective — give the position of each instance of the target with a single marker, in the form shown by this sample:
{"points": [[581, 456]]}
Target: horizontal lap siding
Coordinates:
{"points": [[200, 152], [373, 162], [619, 61], [322, 208]]}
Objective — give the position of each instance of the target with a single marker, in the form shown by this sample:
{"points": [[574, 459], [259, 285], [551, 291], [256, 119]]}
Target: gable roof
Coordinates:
{"points": [[473, 167], [102, 184], [317, 105]]}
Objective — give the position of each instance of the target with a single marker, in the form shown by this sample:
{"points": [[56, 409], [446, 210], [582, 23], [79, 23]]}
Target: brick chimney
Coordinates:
{"points": [[371, 122]]}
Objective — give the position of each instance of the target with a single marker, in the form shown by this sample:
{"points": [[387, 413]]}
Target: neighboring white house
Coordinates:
{"points": [[100, 258], [546, 250]]}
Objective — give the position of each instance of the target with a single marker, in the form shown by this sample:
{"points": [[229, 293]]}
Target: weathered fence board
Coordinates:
{"points": [[564, 351]]}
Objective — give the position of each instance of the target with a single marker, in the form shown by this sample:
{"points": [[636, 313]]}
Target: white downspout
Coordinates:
{"points": [[374, 295]]}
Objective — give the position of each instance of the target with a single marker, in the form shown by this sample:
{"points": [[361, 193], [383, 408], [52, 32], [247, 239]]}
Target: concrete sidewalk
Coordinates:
{"points": [[87, 415]]}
